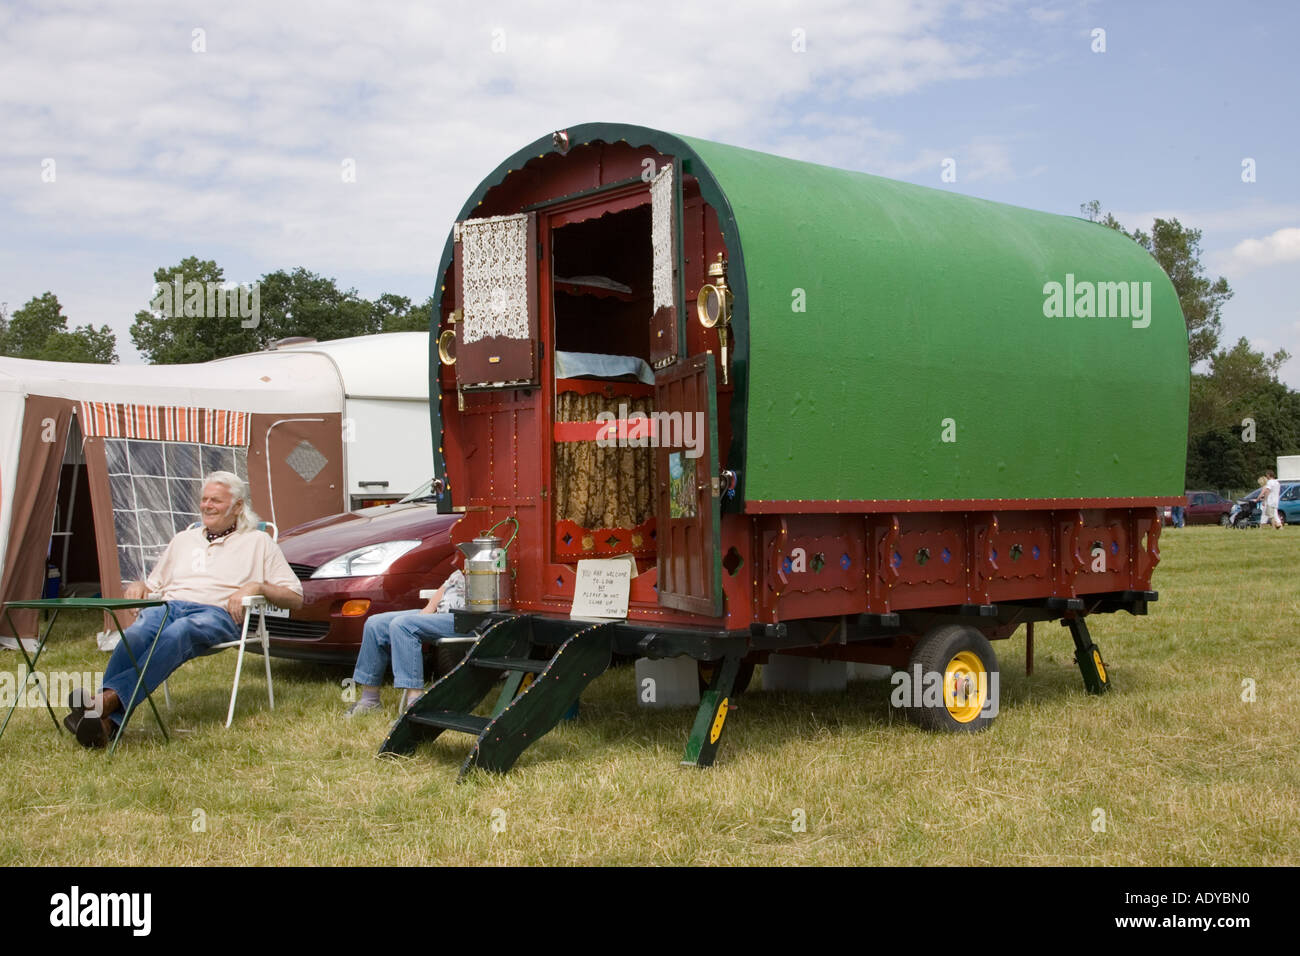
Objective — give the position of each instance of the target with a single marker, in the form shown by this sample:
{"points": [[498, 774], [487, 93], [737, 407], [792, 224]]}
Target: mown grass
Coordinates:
{"points": [[1185, 771]]}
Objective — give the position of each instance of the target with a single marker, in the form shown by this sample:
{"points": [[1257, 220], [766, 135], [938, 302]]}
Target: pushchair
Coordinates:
{"points": [[1245, 513]]}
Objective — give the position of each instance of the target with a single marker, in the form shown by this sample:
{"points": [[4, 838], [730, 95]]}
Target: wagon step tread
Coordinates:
{"points": [[525, 664], [448, 720]]}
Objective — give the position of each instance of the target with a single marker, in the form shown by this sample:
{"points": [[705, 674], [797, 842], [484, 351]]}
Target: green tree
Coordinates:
{"points": [[39, 330], [34, 323], [1242, 418], [83, 344], [1178, 250], [195, 317], [304, 303], [396, 313]]}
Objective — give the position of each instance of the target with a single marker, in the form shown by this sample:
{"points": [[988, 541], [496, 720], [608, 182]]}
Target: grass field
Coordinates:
{"points": [[1184, 770]]}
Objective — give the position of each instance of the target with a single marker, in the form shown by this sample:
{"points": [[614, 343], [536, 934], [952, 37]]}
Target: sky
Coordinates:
{"points": [[135, 134]]}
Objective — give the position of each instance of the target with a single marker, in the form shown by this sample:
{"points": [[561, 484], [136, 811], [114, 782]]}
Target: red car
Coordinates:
{"points": [[356, 564], [1204, 507]]}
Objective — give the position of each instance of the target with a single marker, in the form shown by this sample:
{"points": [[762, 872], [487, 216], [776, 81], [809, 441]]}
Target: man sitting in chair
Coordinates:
{"points": [[204, 575]]}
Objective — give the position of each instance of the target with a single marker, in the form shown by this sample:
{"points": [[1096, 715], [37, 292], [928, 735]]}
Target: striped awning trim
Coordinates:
{"points": [[209, 426]]}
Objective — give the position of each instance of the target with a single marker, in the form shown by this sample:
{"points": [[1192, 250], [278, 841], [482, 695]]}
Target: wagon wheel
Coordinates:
{"points": [[709, 669], [962, 658]]}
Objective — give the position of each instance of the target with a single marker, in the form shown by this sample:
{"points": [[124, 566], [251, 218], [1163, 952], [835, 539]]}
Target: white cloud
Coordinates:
{"points": [[1281, 246], [1250, 217], [241, 144]]}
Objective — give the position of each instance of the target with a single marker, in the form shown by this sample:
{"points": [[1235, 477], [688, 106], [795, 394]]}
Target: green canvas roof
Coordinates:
{"points": [[896, 342]]}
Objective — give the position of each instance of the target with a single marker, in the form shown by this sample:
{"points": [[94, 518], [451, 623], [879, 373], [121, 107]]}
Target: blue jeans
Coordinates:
{"points": [[191, 630], [396, 635]]}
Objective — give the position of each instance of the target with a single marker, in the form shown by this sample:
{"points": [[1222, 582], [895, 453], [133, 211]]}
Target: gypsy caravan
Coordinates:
{"points": [[823, 414]]}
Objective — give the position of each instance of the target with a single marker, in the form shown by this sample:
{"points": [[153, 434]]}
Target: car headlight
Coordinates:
{"points": [[364, 562]]}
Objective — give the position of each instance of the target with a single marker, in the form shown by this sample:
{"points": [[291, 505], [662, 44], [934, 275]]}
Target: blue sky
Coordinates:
{"points": [[234, 153]]}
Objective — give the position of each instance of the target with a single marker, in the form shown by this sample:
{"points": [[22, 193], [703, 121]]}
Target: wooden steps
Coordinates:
{"points": [[521, 716]]}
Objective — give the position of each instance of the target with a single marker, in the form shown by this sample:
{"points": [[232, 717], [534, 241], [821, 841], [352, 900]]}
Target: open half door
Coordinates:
{"points": [[496, 298], [666, 250], [687, 496]]}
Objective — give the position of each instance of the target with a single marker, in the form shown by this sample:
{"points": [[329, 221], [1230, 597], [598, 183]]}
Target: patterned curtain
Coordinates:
{"points": [[602, 487]]}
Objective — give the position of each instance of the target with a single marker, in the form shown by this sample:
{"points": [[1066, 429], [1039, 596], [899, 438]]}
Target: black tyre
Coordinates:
{"points": [[958, 671], [707, 670], [1225, 521]]}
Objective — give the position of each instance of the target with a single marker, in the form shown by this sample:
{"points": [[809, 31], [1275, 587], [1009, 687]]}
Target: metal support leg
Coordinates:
{"points": [[266, 655], [1088, 656], [715, 702], [239, 666], [31, 668], [140, 679]]}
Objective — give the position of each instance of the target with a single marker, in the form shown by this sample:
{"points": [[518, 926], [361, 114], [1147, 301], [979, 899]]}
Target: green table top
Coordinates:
{"points": [[75, 602]]}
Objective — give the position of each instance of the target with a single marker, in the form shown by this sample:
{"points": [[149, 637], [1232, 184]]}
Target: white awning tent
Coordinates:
{"points": [[128, 445]]}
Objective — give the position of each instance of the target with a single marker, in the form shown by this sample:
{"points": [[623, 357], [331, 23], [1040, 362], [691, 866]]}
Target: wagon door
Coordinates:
{"points": [[666, 341], [687, 506], [496, 288]]}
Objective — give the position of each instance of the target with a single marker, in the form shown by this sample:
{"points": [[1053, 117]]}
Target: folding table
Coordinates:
{"points": [[110, 606]]}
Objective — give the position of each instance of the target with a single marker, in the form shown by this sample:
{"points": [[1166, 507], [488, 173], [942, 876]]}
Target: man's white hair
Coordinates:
{"points": [[248, 519]]}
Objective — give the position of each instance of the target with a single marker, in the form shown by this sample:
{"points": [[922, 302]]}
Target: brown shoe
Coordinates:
{"points": [[94, 732], [78, 702]]}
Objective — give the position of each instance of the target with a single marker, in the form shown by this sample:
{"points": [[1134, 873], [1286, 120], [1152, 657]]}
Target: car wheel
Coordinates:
{"points": [[963, 659], [1225, 521]]}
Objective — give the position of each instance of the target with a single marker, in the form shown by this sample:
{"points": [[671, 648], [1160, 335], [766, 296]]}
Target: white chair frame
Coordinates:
{"points": [[254, 604]]}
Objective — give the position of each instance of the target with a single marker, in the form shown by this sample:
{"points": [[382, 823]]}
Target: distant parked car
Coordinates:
{"points": [[357, 564], [1204, 507], [1288, 503]]}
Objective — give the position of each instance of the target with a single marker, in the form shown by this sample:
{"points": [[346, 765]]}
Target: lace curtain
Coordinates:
{"points": [[661, 237], [494, 266]]}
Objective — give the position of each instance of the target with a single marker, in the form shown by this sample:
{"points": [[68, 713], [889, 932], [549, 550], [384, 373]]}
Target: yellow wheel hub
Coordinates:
{"points": [[965, 686], [1101, 668]]}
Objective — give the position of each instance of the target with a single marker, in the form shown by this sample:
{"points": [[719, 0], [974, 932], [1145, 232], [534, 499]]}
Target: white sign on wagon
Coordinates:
{"points": [[602, 588]]}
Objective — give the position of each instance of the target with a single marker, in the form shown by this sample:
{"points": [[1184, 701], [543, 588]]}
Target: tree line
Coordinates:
{"points": [[1241, 417], [196, 315]]}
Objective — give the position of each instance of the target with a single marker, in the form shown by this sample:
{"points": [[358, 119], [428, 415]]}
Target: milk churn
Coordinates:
{"points": [[487, 575]]}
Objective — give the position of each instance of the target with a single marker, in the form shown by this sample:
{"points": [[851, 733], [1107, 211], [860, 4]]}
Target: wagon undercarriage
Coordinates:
{"points": [[548, 662]]}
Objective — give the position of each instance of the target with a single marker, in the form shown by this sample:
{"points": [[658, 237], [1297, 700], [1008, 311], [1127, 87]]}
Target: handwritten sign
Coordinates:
{"points": [[602, 588]]}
